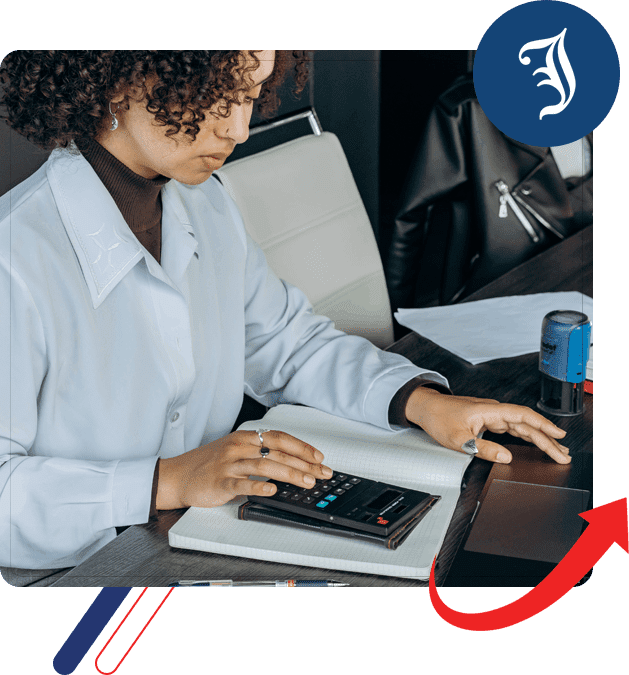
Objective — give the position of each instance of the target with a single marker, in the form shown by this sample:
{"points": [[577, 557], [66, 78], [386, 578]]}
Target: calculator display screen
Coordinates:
{"points": [[382, 500]]}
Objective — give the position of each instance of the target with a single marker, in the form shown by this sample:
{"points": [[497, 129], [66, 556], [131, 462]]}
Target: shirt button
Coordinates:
{"points": [[175, 417]]}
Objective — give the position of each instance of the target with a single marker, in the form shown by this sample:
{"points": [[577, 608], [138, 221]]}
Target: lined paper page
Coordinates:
{"points": [[408, 458]]}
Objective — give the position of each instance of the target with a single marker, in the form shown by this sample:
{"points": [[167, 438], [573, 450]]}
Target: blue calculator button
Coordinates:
{"points": [[322, 504], [331, 498]]}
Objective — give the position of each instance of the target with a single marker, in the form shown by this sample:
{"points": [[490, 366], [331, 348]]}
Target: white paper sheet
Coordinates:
{"points": [[491, 329]]}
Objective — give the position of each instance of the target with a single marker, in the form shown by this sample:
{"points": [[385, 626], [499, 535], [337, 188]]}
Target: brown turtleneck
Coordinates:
{"points": [[138, 198]]}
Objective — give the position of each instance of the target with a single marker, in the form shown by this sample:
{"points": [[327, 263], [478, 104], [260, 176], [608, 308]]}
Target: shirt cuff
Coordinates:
{"points": [[153, 509], [132, 489], [397, 407]]}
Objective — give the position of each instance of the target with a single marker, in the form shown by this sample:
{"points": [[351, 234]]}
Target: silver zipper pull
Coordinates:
{"points": [[502, 211], [503, 188], [538, 216]]}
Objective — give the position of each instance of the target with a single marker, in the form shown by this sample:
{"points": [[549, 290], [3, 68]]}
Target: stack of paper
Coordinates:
{"points": [[497, 328]]}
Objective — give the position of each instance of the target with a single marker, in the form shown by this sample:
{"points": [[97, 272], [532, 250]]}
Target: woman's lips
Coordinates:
{"points": [[213, 162]]}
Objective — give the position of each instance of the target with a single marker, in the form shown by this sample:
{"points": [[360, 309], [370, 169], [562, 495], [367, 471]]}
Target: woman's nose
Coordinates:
{"points": [[236, 126]]}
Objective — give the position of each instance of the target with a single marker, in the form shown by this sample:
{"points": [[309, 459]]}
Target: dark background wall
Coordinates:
{"points": [[18, 158], [410, 84], [376, 102]]}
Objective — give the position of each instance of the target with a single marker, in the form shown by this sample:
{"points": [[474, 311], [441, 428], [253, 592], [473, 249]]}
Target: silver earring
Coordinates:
{"points": [[114, 121]]}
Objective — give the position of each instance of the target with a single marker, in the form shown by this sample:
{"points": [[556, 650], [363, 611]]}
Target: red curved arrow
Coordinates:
{"points": [[608, 524]]}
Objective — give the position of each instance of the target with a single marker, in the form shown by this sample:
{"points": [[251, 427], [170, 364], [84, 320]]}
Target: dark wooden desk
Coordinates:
{"points": [[141, 555]]}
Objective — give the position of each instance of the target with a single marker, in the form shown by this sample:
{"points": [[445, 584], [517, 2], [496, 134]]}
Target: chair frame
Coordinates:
{"points": [[308, 113]]}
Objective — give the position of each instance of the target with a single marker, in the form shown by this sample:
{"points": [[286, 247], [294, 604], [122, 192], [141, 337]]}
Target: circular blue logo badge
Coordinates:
{"points": [[546, 73]]}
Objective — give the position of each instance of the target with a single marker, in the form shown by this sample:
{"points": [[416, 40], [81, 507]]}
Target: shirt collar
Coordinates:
{"points": [[105, 246], [179, 242]]}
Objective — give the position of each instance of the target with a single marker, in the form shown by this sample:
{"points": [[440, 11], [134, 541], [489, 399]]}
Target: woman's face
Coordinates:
{"points": [[142, 145]]}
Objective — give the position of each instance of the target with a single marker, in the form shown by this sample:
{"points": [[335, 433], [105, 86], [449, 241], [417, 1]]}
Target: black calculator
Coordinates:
{"points": [[351, 501]]}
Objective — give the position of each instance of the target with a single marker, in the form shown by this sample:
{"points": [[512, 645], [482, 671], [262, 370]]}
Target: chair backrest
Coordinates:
{"points": [[300, 203]]}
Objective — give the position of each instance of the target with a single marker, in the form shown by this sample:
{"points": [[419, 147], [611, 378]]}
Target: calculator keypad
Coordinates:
{"points": [[348, 501], [321, 495]]}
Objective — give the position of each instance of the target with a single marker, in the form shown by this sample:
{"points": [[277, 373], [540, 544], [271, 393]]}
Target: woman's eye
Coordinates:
{"points": [[245, 100]]}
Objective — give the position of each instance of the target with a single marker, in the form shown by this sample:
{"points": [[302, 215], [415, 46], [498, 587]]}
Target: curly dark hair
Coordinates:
{"points": [[55, 97]]}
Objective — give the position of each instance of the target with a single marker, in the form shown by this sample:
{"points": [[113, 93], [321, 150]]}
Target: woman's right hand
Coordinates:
{"points": [[217, 472]]}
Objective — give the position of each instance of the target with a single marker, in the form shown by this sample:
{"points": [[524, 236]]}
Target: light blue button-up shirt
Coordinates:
{"points": [[109, 360]]}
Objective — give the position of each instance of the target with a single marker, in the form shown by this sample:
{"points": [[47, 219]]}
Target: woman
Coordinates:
{"points": [[136, 310]]}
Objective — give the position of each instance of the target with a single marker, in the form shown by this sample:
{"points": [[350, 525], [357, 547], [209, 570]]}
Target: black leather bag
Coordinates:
{"points": [[476, 204]]}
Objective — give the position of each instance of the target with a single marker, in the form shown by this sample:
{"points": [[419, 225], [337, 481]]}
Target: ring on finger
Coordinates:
{"points": [[469, 447], [263, 451]]}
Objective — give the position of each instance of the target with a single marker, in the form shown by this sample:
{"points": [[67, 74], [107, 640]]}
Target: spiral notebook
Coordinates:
{"points": [[409, 458]]}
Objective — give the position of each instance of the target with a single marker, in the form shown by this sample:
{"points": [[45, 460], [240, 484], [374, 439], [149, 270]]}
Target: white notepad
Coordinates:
{"points": [[408, 458]]}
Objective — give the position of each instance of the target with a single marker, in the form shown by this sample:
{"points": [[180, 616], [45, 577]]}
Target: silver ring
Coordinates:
{"points": [[469, 447], [263, 451]]}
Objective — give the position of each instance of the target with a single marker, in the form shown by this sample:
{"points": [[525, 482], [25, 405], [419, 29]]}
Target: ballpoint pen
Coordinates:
{"points": [[288, 582]]}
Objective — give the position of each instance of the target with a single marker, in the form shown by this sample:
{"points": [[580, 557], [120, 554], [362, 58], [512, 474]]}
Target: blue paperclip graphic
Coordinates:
{"points": [[92, 624], [88, 629]]}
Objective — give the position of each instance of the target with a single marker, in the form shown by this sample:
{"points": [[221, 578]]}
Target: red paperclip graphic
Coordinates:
{"points": [[136, 639]]}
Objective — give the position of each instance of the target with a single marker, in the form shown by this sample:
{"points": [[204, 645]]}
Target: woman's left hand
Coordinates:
{"points": [[454, 420]]}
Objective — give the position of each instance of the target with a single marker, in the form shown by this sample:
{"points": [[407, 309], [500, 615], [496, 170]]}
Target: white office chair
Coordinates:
{"points": [[300, 203]]}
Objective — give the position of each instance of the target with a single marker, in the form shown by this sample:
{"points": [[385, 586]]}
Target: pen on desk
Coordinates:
{"points": [[288, 582]]}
